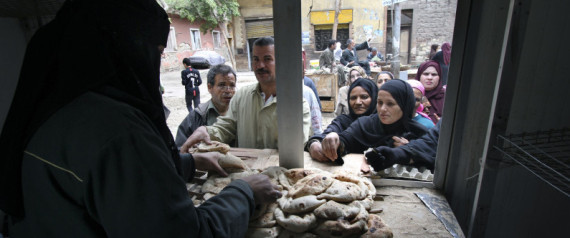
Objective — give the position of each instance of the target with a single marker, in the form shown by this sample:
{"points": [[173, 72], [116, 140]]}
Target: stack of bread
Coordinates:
{"points": [[315, 203]]}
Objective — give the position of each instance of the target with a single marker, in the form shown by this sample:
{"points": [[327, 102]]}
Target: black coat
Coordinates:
{"points": [[191, 79], [424, 149], [347, 57]]}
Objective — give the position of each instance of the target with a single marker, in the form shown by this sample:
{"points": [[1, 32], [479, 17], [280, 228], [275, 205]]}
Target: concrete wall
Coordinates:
{"points": [[249, 10], [172, 60], [433, 23], [256, 8], [368, 21]]}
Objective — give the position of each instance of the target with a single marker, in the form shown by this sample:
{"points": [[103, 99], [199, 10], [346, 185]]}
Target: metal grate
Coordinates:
{"points": [[546, 154]]}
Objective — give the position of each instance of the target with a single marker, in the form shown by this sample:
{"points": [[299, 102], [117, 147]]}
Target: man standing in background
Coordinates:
{"points": [[327, 60], [350, 58], [191, 81]]}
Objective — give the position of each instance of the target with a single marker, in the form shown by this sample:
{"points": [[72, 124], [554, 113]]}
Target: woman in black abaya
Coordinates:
{"points": [[86, 150]]}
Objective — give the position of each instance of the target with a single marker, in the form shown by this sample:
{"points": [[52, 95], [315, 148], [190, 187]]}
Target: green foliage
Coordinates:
{"points": [[212, 12]]}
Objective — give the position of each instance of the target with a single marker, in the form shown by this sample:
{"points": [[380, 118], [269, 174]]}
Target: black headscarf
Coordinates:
{"points": [[343, 121], [369, 132], [371, 88], [105, 46]]}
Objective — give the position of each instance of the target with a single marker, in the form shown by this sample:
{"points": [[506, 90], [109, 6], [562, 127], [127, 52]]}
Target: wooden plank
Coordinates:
{"points": [[352, 163], [263, 158], [326, 84], [380, 182], [328, 105]]}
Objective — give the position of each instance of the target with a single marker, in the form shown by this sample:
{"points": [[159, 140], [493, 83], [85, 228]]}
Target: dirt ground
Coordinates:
{"points": [[174, 95]]}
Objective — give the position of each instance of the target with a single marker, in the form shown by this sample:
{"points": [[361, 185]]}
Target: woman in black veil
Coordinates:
{"points": [[86, 149]]}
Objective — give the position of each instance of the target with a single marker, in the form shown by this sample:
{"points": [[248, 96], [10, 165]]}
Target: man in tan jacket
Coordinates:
{"points": [[251, 120]]}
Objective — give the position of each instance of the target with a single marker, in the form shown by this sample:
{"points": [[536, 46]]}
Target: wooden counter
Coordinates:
{"points": [[403, 211]]}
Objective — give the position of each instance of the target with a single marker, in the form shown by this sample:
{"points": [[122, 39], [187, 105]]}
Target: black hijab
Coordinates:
{"points": [[343, 121], [105, 46], [369, 132]]}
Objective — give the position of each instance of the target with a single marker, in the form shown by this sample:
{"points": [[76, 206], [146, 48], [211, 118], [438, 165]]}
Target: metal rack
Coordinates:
{"points": [[546, 154]]}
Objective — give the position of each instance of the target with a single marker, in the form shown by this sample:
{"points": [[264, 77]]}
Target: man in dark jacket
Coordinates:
{"points": [[350, 57], [191, 80], [221, 85], [419, 152], [374, 53]]}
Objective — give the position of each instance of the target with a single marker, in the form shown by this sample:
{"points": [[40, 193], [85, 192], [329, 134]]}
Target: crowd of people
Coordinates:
{"points": [[95, 158], [411, 137]]}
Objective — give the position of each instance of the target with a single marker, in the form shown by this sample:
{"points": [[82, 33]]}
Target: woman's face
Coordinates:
{"points": [[354, 75], [388, 109], [382, 78], [418, 95], [359, 100], [430, 78]]}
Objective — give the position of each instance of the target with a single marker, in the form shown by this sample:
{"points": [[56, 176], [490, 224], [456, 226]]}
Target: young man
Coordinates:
{"points": [[350, 58], [191, 80], [252, 117], [221, 85]]}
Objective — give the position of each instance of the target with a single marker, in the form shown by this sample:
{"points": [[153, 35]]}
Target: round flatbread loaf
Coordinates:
{"points": [[311, 185], [377, 228], [295, 223]]}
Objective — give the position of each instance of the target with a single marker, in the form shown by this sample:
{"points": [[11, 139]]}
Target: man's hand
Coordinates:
{"points": [[384, 157], [200, 134], [263, 190], [209, 162], [330, 144], [316, 152]]}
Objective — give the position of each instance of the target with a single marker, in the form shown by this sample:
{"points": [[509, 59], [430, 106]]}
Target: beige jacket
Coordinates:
{"points": [[252, 124]]}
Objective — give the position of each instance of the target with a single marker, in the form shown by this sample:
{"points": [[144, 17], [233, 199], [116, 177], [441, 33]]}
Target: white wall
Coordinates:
{"points": [[13, 44]]}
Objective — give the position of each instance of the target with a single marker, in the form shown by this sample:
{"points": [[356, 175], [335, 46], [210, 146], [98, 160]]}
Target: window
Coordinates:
{"points": [[323, 24], [171, 43], [323, 34], [216, 39], [195, 38]]}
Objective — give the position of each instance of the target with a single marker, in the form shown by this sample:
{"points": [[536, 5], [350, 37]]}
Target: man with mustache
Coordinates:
{"points": [[222, 86], [251, 121]]}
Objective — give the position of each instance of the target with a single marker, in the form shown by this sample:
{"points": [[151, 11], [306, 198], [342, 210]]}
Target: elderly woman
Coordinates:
{"points": [[342, 106], [429, 75], [392, 123], [362, 101], [419, 93]]}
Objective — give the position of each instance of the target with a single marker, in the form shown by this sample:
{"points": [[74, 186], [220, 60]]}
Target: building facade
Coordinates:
{"points": [[186, 38], [423, 23]]}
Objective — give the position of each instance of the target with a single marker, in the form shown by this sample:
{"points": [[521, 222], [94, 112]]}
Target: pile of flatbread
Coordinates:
{"points": [[315, 203]]}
